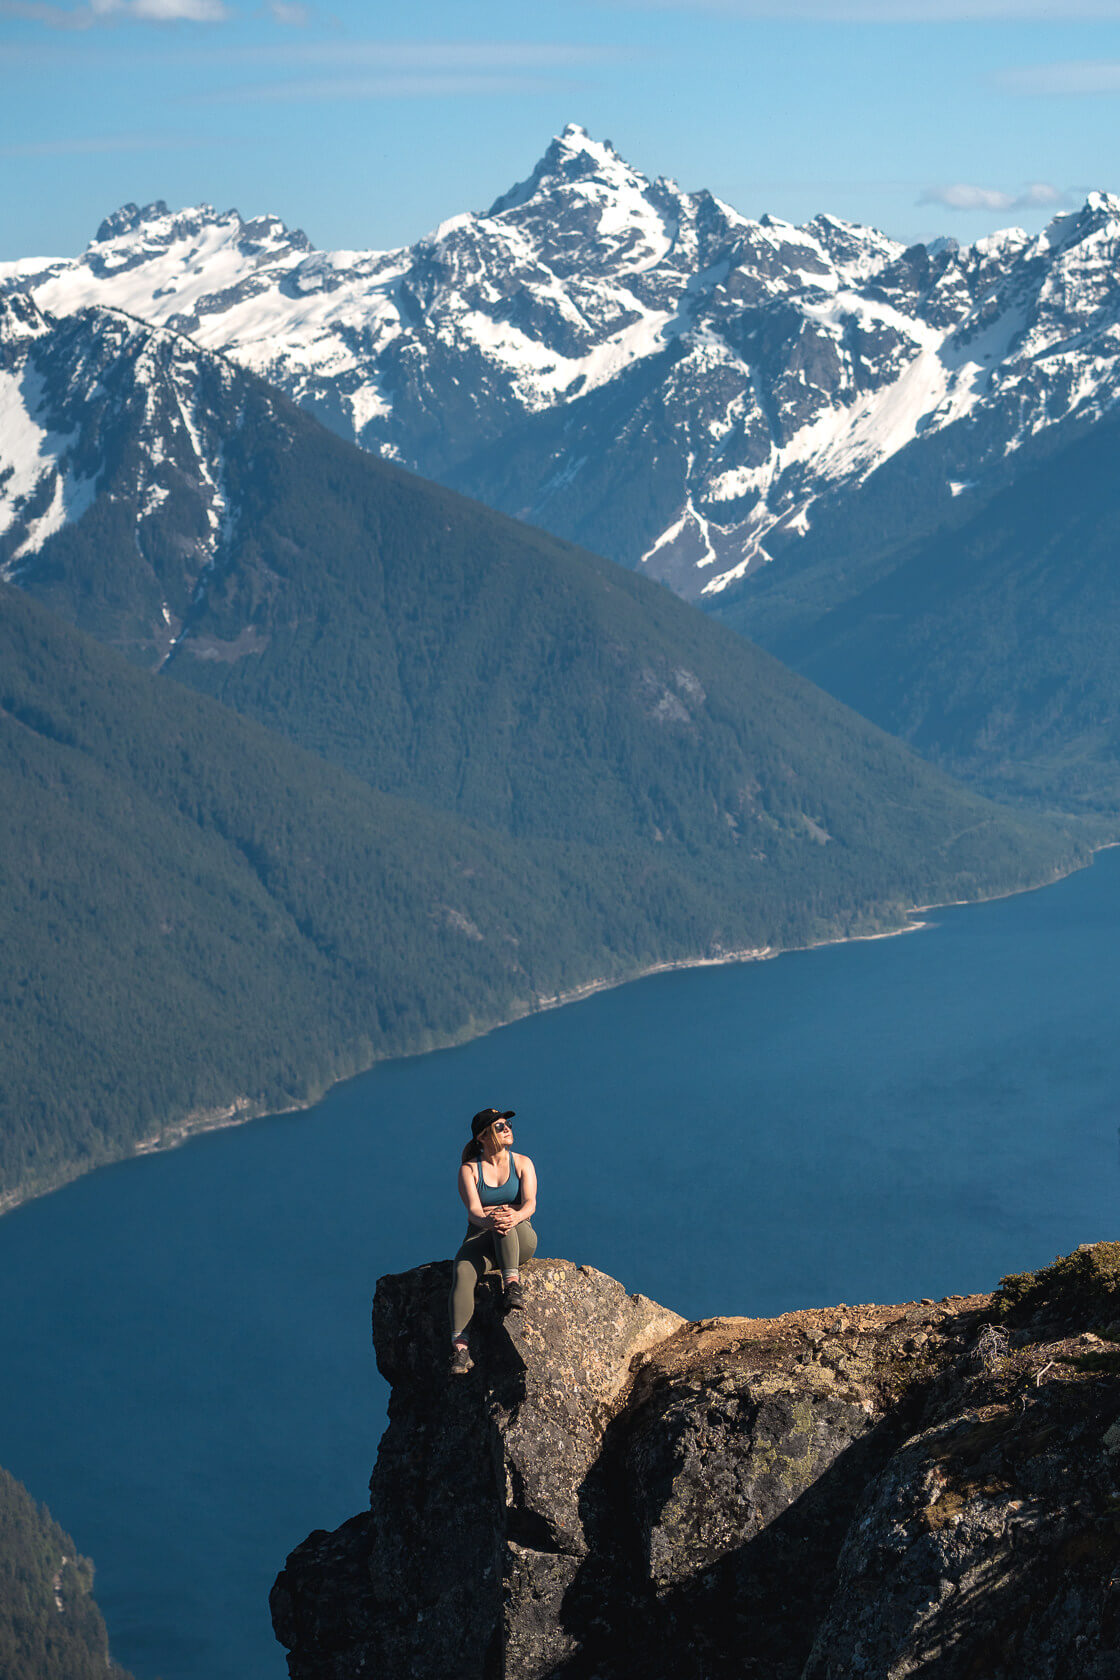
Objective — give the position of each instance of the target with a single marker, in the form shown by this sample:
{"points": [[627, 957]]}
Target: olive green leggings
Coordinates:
{"points": [[485, 1251]]}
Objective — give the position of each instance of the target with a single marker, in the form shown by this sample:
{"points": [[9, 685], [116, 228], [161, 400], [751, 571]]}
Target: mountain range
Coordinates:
{"points": [[782, 423], [642, 369], [524, 769]]}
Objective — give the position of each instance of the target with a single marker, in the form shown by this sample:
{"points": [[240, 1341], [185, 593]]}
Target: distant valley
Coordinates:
{"points": [[492, 769]]}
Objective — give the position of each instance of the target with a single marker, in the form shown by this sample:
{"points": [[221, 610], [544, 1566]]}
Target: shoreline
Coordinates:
{"points": [[240, 1110]]}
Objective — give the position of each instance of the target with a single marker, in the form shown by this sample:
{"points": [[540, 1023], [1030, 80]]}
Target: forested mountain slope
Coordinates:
{"points": [[769, 418], [50, 1627], [197, 919], [992, 646], [444, 652]]}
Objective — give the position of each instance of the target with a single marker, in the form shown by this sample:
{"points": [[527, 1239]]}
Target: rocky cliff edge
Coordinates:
{"points": [[863, 1492]]}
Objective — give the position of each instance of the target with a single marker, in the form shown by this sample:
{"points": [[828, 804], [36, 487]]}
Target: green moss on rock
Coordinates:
{"points": [[1083, 1286]]}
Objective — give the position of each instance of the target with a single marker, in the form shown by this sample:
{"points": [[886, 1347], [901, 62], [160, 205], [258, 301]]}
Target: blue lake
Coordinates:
{"points": [[188, 1380]]}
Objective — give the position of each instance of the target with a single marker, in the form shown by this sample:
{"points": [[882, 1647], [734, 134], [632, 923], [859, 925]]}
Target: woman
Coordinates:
{"points": [[499, 1190]]}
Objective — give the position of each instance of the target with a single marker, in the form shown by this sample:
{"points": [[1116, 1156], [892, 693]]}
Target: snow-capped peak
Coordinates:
{"points": [[1103, 204], [128, 218], [571, 157], [156, 227], [575, 138]]}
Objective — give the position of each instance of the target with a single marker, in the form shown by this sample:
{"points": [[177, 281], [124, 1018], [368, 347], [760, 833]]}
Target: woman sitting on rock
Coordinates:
{"points": [[499, 1189]]}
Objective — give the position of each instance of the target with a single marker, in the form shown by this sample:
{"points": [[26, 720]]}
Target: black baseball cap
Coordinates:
{"points": [[487, 1116]]}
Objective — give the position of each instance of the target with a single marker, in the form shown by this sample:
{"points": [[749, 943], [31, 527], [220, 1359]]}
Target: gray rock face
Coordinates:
{"points": [[477, 1519], [863, 1492]]}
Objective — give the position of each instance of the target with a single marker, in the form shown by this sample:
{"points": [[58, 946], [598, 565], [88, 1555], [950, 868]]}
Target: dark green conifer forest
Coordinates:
{"points": [[50, 1626], [990, 645], [200, 920]]}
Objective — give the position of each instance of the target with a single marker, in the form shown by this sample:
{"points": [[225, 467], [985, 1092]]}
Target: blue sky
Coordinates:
{"points": [[366, 125]]}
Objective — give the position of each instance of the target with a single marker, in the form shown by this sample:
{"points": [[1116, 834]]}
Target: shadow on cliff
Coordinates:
{"points": [[755, 1610], [410, 1337], [1010, 1570]]}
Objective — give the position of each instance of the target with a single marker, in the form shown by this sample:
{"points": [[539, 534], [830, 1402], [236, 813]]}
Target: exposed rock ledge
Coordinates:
{"points": [[868, 1492]]}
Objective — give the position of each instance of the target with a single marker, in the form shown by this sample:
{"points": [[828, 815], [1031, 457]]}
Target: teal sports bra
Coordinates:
{"points": [[499, 1195]]}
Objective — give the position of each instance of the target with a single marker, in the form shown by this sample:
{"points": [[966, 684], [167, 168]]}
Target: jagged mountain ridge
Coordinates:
{"points": [[640, 368]]}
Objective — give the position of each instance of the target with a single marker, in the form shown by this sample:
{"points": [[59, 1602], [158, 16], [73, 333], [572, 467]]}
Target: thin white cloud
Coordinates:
{"points": [[403, 85], [1077, 76], [93, 12], [169, 11], [291, 16], [1040, 195], [89, 145], [164, 11], [423, 56], [410, 69]]}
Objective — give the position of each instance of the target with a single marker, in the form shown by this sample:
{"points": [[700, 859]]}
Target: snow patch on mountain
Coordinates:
{"points": [[70, 497], [36, 485], [693, 528], [98, 404]]}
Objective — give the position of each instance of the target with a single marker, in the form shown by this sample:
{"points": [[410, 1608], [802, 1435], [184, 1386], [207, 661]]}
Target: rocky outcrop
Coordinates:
{"points": [[479, 1507], [929, 1489]]}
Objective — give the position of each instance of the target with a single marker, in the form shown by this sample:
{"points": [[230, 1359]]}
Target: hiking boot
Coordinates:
{"points": [[460, 1360], [514, 1297]]}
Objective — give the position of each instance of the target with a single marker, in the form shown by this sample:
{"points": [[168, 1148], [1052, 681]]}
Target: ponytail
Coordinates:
{"points": [[472, 1151]]}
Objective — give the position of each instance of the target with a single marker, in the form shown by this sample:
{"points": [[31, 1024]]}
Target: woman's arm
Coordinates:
{"points": [[528, 1204], [468, 1190]]}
